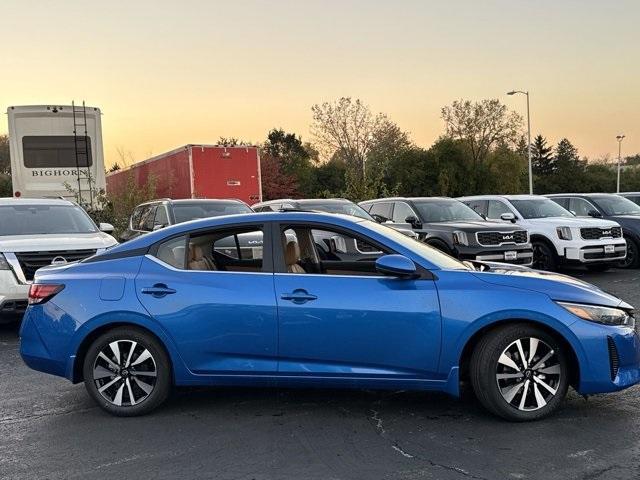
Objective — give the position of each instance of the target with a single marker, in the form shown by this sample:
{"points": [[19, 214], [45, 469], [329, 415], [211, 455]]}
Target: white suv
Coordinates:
{"points": [[558, 236], [39, 232]]}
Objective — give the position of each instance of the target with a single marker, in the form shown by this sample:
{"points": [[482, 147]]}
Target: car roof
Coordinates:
{"points": [[145, 241], [194, 200], [508, 197], [581, 195], [304, 200], [35, 201], [410, 199]]}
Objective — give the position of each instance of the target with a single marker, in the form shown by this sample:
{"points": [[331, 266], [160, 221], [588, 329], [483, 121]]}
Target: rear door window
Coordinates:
{"points": [[382, 209]]}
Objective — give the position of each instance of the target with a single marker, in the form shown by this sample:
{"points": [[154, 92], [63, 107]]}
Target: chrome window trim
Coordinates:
{"points": [[171, 267]]}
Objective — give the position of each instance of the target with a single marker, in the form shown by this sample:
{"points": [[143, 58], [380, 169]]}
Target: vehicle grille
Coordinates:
{"points": [[496, 238], [596, 233], [614, 359], [31, 261]]}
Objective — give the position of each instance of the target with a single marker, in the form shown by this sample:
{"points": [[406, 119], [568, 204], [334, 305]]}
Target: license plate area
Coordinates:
{"points": [[609, 249], [510, 255]]}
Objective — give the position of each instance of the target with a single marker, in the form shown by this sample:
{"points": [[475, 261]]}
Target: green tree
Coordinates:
{"points": [[5, 159], [294, 159], [542, 159], [482, 126]]}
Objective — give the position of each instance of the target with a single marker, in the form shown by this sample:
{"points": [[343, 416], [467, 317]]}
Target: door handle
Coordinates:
{"points": [[298, 296], [159, 290]]}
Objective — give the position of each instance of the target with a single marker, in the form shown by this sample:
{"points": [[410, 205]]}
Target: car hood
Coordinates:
{"points": [[34, 243], [557, 286], [626, 219], [574, 222], [476, 226]]}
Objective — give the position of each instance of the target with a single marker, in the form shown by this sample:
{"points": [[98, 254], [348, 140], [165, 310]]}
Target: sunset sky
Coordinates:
{"points": [[167, 73]]}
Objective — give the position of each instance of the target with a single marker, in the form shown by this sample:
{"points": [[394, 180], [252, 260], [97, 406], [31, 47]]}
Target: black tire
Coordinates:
{"points": [[133, 381], [633, 255], [485, 369], [544, 257], [439, 245], [598, 267]]}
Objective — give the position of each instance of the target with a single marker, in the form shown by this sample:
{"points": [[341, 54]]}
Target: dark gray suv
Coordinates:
{"points": [[451, 226]]}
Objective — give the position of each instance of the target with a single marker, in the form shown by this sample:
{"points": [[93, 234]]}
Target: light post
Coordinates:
{"points": [[513, 92], [619, 138]]}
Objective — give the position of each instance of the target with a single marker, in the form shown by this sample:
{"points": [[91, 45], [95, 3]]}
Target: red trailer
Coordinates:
{"points": [[197, 171]]}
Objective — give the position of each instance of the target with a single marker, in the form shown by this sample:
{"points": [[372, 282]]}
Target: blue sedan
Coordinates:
{"points": [[321, 300]]}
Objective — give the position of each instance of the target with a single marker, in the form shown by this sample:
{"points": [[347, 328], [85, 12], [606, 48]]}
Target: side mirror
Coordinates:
{"points": [[105, 227], [396, 266], [594, 213], [413, 221], [508, 217]]}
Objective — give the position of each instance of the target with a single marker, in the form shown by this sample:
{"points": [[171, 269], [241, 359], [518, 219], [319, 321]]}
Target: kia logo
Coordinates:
{"points": [[507, 237], [606, 232], [58, 261]]}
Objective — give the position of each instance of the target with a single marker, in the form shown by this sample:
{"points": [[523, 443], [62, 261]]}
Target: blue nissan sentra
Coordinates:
{"points": [[321, 300]]}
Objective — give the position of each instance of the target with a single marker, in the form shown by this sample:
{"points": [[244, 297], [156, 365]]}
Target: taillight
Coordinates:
{"points": [[41, 292]]}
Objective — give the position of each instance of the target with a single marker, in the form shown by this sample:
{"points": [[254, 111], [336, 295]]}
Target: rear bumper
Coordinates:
{"points": [[33, 349]]}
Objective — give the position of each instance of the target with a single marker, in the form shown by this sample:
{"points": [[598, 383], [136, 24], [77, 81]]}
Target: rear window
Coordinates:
{"points": [[53, 151], [44, 219], [183, 212]]}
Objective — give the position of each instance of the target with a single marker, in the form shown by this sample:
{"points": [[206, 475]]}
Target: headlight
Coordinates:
{"points": [[460, 238], [605, 315], [564, 233], [4, 265]]}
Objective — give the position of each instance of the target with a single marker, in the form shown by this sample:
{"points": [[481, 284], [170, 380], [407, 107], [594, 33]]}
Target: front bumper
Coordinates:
{"points": [[613, 357], [514, 254], [597, 253], [13, 294]]}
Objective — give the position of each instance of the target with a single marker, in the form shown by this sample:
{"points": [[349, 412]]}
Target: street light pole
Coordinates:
{"points": [[513, 92], [619, 138]]}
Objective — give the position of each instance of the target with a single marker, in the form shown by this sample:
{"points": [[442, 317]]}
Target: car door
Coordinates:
{"points": [[342, 319], [212, 291]]}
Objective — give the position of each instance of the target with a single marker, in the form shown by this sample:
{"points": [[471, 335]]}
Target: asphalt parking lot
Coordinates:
{"points": [[51, 429]]}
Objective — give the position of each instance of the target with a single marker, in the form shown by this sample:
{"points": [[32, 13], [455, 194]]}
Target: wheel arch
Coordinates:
{"points": [[438, 242], [472, 341], [539, 237], [100, 327]]}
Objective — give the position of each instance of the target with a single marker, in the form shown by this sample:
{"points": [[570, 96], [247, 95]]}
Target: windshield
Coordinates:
{"points": [[183, 212], [435, 211], [438, 258], [344, 208], [540, 208], [44, 220], [615, 205]]}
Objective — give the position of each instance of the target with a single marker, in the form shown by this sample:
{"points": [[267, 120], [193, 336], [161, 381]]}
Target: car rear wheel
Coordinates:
{"points": [[544, 258], [519, 372], [127, 372]]}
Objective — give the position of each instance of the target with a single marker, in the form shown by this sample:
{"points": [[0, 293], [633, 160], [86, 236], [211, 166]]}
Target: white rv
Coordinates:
{"points": [[56, 151]]}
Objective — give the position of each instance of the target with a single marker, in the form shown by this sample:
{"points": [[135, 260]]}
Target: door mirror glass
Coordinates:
{"points": [[105, 227], [396, 266], [594, 213], [508, 217]]}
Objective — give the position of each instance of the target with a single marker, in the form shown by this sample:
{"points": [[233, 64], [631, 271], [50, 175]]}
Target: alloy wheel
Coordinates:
{"points": [[124, 372], [528, 374]]}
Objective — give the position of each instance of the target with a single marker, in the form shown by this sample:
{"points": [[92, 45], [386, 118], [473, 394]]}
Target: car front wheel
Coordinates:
{"points": [[519, 372], [127, 372]]}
